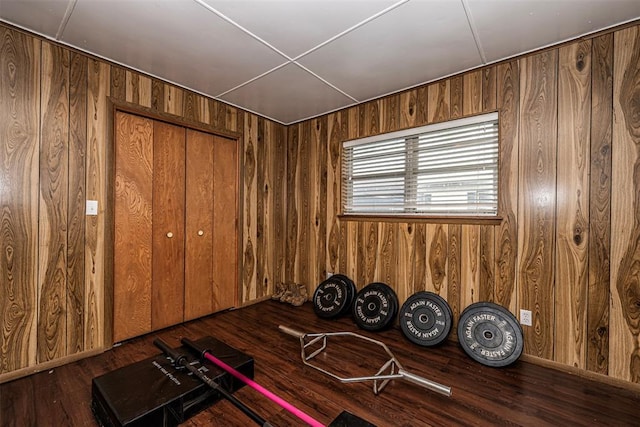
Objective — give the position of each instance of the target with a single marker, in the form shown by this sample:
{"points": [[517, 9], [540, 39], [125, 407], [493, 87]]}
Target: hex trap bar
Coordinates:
{"points": [[392, 369]]}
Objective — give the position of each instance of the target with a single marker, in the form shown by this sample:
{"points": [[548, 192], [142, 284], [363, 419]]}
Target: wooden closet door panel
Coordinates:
{"points": [[167, 301], [133, 225], [198, 297], [225, 214]]}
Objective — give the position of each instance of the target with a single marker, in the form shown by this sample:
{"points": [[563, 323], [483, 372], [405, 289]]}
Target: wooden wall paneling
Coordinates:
{"points": [[189, 112], [408, 105], [249, 234], [489, 89], [292, 195], [118, 88], [472, 82], [226, 188], [469, 264], [262, 204], [234, 119], [506, 234], [54, 196], [417, 240], [454, 271], [77, 190], [422, 105], [437, 244], [133, 226], [173, 100], [457, 97], [572, 206], [349, 261], [600, 205], [319, 139], [95, 226], [390, 113], [536, 210], [305, 242], [334, 146], [278, 160], [168, 220], [202, 110], [405, 265], [157, 95], [438, 101], [370, 118], [624, 355], [199, 197], [19, 158], [387, 255]]}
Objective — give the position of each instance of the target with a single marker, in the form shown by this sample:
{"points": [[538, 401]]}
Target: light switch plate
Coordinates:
{"points": [[92, 207]]}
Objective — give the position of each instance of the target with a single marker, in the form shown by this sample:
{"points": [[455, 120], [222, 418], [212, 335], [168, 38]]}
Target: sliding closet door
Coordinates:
{"points": [[167, 297], [133, 226], [199, 226]]}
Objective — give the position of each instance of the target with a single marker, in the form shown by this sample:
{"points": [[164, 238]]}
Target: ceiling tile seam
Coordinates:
{"points": [[352, 28], [474, 31], [254, 78], [326, 82], [241, 28], [65, 19]]}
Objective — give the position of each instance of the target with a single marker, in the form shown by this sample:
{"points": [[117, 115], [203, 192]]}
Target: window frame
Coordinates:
{"points": [[424, 216]]}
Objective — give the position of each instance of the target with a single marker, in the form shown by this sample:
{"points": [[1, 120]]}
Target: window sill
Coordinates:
{"points": [[430, 219]]}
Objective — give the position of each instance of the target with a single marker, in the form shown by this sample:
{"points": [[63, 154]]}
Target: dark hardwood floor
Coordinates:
{"points": [[521, 394]]}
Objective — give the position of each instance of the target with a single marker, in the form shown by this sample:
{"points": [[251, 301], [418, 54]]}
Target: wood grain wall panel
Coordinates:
{"points": [[304, 263], [506, 235], [454, 271], [202, 110], [469, 264], [624, 357], [422, 105], [417, 241], [292, 205], [173, 100], [489, 89], [262, 205], [487, 264], [96, 185], [278, 148], [437, 257], [319, 209], [19, 159], [537, 200], [352, 249], [226, 154], [387, 256], [439, 95], [168, 221], [54, 196], [457, 96], [118, 88], [133, 211], [472, 82], [250, 209], [600, 205], [572, 206], [199, 197], [189, 106], [77, 205], [405, 265], [333, 209], [408, 109], [157, 95], [390, 113]]}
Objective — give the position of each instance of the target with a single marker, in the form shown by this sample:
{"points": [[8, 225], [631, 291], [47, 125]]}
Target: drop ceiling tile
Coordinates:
{"points": [[289, 94], [398, 50], [41, 16], [506, 28], [178, 40], [294, 27]]}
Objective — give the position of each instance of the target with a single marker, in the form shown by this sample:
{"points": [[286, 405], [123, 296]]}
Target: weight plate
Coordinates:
{"points": [[351, 292], [425, 319], [490, 334], [375, 307], [330, 298]]}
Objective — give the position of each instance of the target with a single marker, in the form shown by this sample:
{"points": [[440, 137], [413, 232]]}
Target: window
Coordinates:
{"points": [[444, 169]]}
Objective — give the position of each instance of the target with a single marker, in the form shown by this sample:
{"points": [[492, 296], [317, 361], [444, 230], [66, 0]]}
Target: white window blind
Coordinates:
{"points": [[448, 168]]}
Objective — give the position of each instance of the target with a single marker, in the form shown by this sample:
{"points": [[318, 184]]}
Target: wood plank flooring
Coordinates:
{"points": [[523, 394]]}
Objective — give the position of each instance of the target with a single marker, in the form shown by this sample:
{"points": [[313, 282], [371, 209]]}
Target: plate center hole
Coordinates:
{"points": [[371, 306], [488, 334], [423, 318]]}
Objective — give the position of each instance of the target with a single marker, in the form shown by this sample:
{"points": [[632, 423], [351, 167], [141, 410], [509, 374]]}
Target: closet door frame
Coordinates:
{"points": [[125, 107]]}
